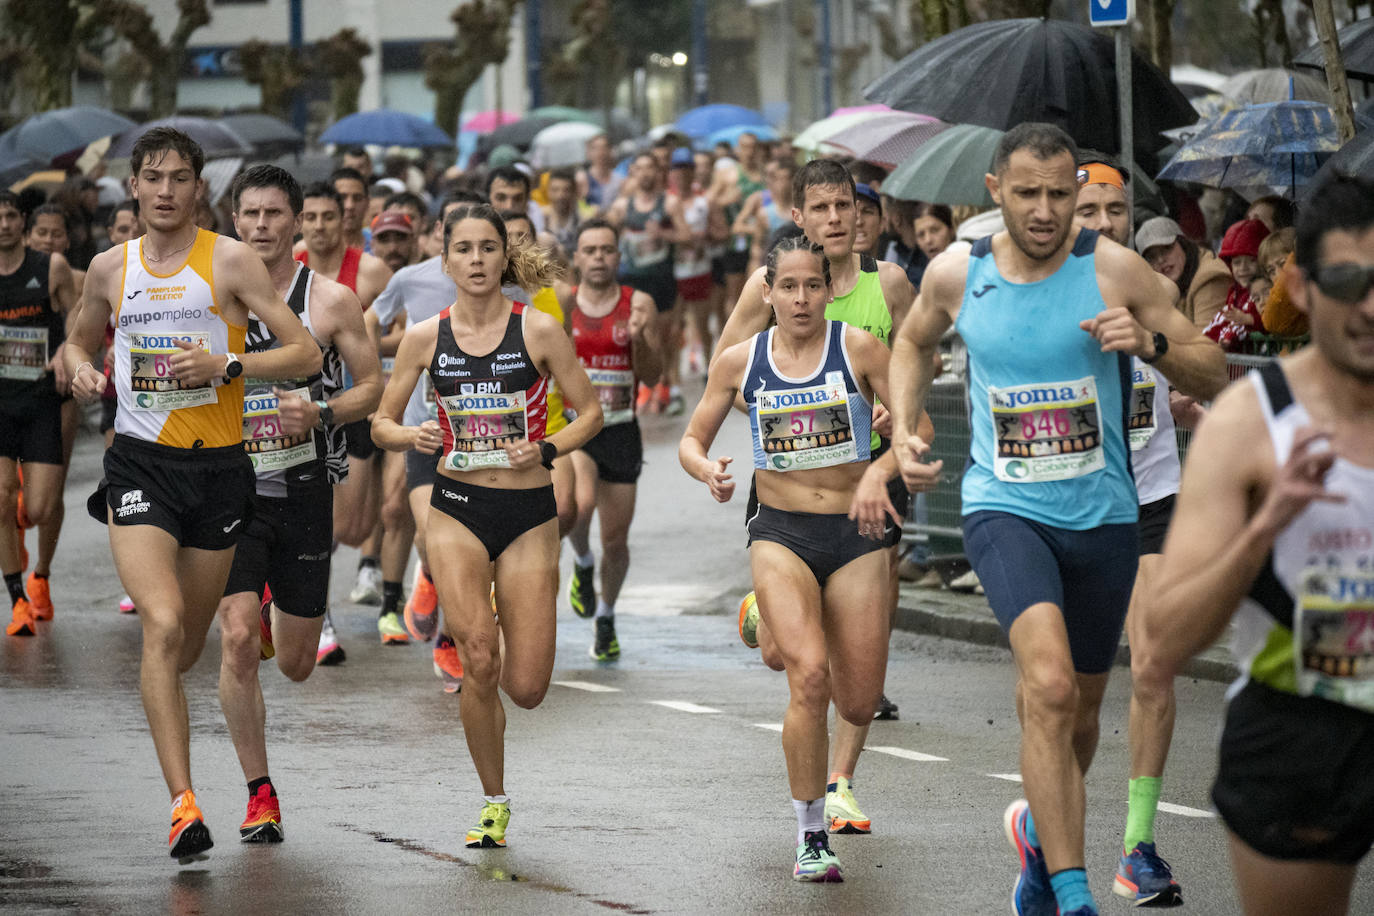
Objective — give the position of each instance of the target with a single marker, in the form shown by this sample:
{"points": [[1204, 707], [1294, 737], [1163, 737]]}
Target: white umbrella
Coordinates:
{"points": [[562, 144]]}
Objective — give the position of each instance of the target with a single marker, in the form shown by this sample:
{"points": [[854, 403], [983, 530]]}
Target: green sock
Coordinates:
{"points": [[1140, 815]]}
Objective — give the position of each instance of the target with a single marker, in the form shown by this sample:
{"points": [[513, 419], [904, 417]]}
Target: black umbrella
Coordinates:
{"points": [[518, 133], [1357, 50], [214, 138], [269, 136], [1355, 158], [1001, 73], [46, 136]]}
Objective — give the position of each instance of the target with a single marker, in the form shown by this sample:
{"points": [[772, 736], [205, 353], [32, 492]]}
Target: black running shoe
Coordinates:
{"points": [[582, 590], [887, 710], [607, 647]]}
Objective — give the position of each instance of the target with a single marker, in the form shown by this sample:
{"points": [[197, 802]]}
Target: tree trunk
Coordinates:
{"points": [[935, 16], [1335, 69], [1161, 25]]}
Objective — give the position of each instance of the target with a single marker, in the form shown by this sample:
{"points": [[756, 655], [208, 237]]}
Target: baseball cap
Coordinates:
{"points": [[391, 221], [1157, 231], [865, 191], [681, 156]]}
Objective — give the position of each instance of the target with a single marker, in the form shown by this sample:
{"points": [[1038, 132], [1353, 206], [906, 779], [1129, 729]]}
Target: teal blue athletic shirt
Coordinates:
{"points": [[1047, 408]]}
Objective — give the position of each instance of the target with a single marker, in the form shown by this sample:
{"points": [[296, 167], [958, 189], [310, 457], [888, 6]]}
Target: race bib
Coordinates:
{"points": [[150, 371], [23, 353], [1142, 420], [803, 428], [388, 366], [615, 390], [1049, 431], [267, 446], [1333, 637], [483, 424]]}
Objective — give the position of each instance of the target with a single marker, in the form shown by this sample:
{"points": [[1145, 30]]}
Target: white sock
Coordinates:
{"points": [[497, 799], [603, 609], [810, 816], [584, 559]]}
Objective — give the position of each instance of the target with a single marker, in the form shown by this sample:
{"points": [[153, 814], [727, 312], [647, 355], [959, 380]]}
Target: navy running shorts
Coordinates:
{"points": [[825, 543], [1088, 575]]}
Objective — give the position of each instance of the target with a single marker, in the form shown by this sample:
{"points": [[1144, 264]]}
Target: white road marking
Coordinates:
{"points": [[684, 706], [666, 599], [770, 726], [1184, 810], [1009, 777], [906, 754], [588, 686]]}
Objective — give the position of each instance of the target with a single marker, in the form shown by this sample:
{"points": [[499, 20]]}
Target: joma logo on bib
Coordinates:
{"points": [[1035, 396]]}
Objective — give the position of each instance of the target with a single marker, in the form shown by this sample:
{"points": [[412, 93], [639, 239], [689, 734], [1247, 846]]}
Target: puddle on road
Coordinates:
{"points": [[495, 874]]}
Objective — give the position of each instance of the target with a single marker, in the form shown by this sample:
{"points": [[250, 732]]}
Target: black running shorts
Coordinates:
{"points": [[823, 542], [421, 470], [286, 545], [1154, 524], [202, 497], [1293, 777], [618, 452], [496, 516], [31, 430], [358, 439]]}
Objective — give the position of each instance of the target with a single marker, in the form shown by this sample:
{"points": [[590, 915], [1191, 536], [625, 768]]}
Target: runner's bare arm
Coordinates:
{"points": [[722, 384], [898, 292], [746, 221], [342, 325], [1138, 305], [86, 329], [552, 351], [682, 233], [413, 357], [392, 338], [373, 275], [62, 296], [914, 347], [1233, 502], [750, 315], [240, 273], [646, 357]]}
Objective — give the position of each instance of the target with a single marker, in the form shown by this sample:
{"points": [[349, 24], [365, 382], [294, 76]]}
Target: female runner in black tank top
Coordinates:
{"points": [[490, 362]]}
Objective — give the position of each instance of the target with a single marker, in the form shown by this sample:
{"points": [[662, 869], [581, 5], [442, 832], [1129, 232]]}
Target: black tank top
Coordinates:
{"points": [[289, 466], [30, 330], [639, 254]]}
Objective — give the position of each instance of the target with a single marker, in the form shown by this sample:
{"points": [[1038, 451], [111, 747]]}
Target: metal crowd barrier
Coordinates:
{"points": [[940, 527]]}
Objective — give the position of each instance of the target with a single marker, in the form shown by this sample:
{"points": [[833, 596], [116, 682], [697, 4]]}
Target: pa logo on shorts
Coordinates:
{"points": [[132, 503]]}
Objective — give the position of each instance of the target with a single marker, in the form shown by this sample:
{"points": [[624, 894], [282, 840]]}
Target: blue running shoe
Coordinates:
{"points": [[1032, 895], [1082, 911], [1144, 878]]}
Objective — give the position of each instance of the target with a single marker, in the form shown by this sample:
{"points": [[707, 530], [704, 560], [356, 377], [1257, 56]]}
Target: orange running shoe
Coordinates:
{"points": [[190, 838], [448, 667], [39, 596], [645, 394], [421, 613], [22, 620], [263, 823], [662, 394]]}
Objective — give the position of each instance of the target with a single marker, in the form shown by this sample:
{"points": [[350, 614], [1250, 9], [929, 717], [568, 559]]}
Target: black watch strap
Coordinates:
{"points": [[1161, 347], [547, 452]]}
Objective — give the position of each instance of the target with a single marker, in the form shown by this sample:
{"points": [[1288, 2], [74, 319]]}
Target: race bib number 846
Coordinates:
{"points": [[1046, 431]]}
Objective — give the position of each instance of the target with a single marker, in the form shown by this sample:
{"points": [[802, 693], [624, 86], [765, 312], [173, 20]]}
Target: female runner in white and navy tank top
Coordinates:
{"points": [[491, 363], [815, 543]]}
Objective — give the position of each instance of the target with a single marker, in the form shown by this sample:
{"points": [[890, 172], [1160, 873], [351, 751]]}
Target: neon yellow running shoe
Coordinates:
{"points": [[490, 831], [842, 813], [392, 629], [749, 621], [815, 861]]}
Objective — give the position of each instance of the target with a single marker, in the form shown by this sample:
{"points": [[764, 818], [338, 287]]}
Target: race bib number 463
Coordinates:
{"points": [[483, 425], [1047, 431], [155, 386]]}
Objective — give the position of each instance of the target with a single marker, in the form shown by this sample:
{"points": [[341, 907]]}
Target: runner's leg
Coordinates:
{"points": [[1281, 887]]}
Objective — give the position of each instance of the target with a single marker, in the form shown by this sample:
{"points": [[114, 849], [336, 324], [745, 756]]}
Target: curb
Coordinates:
{"points": [[967, 617]]}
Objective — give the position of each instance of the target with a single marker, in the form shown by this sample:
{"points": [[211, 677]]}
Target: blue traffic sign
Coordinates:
{"points": [[1111, 12]]}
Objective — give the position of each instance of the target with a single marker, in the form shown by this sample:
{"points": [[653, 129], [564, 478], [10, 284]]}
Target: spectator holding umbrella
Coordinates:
{"points": [[1203, 281]]}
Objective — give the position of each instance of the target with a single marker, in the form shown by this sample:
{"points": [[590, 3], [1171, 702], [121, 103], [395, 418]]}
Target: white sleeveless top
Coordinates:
{"points": [[153, 312]]}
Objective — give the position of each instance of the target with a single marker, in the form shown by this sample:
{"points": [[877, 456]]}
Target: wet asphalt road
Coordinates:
{"points": [[655, 785]]}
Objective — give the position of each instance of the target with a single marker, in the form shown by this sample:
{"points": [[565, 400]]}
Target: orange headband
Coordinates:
{"points": [[1100, 173]]}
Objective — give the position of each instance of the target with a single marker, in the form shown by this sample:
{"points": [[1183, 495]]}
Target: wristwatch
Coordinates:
{"points": [[232, 367], [1161, 347], [547, 452], [326, 415]]}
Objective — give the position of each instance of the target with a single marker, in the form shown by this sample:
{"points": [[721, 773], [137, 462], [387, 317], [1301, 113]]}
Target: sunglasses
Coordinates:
{"points": [[1348, 283]]}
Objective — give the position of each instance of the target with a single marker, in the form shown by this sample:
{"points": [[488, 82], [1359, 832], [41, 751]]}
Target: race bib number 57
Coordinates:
{"points": [[1046, 431]]}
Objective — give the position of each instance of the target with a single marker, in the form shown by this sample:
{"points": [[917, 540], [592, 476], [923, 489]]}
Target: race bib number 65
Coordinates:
{"points": [[155, 386]]}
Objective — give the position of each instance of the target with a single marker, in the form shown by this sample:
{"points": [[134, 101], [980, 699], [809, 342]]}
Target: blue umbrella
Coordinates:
{"points": [[731, 135], [1275, 144], [385, 127], [45, 136], [706, 120]]}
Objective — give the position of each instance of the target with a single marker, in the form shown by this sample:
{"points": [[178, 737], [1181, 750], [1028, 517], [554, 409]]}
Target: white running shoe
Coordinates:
{"points": [[329, 652], [368, 587]]}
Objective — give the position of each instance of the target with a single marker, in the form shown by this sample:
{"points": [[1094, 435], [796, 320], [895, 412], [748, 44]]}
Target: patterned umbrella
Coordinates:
{"points": [[887, 139], [948, 168], [1272, 145]]}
